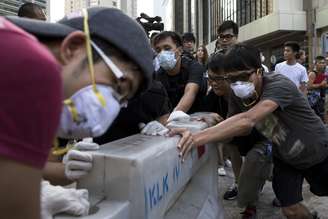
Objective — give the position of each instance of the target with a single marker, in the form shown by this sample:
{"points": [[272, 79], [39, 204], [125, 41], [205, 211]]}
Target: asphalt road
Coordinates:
{"points": [[265, 210]]}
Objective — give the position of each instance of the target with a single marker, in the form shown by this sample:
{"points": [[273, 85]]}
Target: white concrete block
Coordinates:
{"points": [[144, 178]]}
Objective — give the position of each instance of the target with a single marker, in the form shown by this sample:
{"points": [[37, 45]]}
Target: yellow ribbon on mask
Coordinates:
{"points": [[58, 151], [90, 58]]}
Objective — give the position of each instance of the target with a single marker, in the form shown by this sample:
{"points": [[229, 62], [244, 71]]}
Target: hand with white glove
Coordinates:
{"points": [[78, 162], [57, 199], [154, 128], [178, 116]]}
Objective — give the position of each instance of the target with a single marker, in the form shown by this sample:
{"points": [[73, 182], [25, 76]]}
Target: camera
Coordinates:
{"points": [[150, 23]]}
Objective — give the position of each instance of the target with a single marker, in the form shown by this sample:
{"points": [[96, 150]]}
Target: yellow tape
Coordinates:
{"points": [[90, 58], [61, 151], [71, 107]]}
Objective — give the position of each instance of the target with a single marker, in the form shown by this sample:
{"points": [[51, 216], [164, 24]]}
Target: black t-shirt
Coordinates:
{"points": [[188, 54], [299, 136], [143, 109], [216, 104], [191, 72], [219, 105]]}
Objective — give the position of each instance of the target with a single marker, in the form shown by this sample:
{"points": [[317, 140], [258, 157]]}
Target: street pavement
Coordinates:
{"points": [[265, 209]]}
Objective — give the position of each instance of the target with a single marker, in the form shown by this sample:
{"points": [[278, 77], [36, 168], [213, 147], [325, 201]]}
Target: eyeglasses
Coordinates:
{"points": [[217, 78], [110, 64], [240, 76], [232, 78], [225, 36]]}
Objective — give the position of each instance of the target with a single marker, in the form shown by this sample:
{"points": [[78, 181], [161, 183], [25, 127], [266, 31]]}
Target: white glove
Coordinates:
{"points": [[56, 199], [78, 162], [178, 116], [154, 128]]}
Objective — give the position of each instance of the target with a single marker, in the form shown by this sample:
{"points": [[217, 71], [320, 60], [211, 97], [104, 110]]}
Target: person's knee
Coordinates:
{"points": [[296, 211]]}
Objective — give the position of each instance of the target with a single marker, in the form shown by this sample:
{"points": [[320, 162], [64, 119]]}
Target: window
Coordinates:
{"points": [[244, 11]]}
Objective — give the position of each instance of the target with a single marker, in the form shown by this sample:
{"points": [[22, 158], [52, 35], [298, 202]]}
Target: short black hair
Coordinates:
{"points": [[216, 62], [319, 58], [226, 25], [188, 37], [293, 45], [242, 56], [165, 34], [28, 10]]}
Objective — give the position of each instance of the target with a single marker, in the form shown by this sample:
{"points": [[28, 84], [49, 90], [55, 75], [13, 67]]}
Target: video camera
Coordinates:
{"points": [[151, 23]]}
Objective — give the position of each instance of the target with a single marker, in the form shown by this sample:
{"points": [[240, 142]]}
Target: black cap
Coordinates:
{"points": [[109, 24]]}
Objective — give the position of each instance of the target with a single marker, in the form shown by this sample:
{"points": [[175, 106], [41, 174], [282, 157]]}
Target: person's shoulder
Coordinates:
{"points": [[282, 64], [6, 27], [275, 78], [301, 67], [156, 88], [24, 47], [193, 64]]}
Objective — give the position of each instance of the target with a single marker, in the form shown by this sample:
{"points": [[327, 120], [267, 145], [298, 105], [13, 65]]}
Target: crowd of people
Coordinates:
{"points": [[71, 86]]}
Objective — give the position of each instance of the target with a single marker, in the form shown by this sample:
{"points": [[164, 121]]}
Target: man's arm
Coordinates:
{"points": [[311, 84], [236, 125], [20, 190], [303, 88], [54, 172], [188, 97], [304, 81]]}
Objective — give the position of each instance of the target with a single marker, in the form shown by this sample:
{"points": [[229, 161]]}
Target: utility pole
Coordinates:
{"points": [[311, 30]]}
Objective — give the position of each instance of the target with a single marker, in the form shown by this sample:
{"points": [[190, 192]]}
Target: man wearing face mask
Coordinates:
{"points": [[275, 107], [181, 76], [100, 73], [250, 174]]}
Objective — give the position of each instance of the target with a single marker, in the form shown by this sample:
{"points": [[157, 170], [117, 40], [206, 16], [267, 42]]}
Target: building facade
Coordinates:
{"points": [[127, 6], [319, 20], [10, 7], [266, 24], [75, 5]]}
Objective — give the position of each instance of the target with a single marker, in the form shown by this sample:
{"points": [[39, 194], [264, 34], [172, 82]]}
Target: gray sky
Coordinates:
{"points": [[57, 8]]}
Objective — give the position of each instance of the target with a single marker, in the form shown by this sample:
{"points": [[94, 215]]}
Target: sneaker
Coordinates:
{"points": [[228, 163], [249, 213], [221, 171], [232, 193]]}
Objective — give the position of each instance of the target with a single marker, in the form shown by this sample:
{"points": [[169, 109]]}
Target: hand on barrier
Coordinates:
{"points": [[185, 143], [57, 199], [154, 128], [78, 162], [178, 116]]}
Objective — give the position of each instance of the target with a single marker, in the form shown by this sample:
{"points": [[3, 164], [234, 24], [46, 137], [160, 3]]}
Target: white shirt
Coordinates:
{"points": [[296, 73], [266, 70]]}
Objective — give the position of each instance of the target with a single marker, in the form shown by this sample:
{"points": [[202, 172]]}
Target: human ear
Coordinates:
{"points": [[71, 46]]}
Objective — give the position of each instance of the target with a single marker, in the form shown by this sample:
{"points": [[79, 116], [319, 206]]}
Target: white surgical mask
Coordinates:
{"points": [[167, 60], [243, 89], [84, 115]]}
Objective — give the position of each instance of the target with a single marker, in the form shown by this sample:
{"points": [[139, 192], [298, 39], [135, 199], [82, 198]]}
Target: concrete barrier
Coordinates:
{"points": [[143, 177]]}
